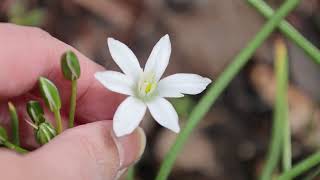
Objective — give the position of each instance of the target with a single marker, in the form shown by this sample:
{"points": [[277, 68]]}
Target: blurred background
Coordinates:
{"points": [[232, 140]]}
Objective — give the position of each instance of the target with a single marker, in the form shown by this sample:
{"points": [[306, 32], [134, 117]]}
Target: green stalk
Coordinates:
{"points": [[73, 102], [221, 83], [15, 147], [289, 31], [280, 128], [14, 124], [57, 117], [282, 96], [130, 173], [300, 168]]}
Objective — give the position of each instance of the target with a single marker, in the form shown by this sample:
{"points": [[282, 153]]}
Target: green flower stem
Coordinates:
{"points": [[300, 168], [288, 30], [57, 117], [14, 124], [280, 128], [73, 102], [221, 83], [15, 147], [130, 173]]}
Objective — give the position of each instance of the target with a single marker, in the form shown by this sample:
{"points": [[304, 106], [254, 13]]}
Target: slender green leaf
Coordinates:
{"points": [[289, 31], [130, 173], [3, 135], [281, 106], [281, 129], [302, 167], [221, 83], [14, 124]]}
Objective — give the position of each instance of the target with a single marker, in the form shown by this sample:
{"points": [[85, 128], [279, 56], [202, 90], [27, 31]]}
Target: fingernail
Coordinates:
{"points": [[130, 147]]}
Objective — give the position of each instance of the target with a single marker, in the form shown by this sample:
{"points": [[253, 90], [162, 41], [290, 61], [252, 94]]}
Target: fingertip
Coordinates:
{"points": [[130, 147]]}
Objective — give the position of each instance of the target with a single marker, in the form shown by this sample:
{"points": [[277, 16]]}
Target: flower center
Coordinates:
{"points": [[146, 85]]}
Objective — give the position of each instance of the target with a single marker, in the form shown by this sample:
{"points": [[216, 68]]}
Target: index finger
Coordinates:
{"points": [[27, 53]]}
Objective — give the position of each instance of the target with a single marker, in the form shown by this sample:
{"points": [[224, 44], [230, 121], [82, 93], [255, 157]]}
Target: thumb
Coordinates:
{"points": [[88, 152]]}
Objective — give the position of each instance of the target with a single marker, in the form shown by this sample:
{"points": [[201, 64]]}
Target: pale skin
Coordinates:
{"points": [[89, 151]]}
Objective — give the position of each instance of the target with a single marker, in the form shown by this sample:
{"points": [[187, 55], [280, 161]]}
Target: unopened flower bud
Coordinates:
{"points": [[45, 133], [70, 66], [35, 112], [50, 94]]}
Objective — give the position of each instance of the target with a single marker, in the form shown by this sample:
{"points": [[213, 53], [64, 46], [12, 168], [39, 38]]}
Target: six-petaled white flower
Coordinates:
{"points": [[144, 87]]}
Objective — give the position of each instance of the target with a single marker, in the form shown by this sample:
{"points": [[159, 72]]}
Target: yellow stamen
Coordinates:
{"points": [[148, 88]]}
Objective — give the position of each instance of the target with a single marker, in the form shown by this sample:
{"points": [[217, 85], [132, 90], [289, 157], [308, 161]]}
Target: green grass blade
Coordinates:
{"points": [[282, 102], [300, 168], [280, 128], [130, 173], [288, 30], [221, 83], [14, 124]]}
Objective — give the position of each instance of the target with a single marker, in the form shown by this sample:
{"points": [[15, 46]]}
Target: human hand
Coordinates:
{"points": [[88, 151]]}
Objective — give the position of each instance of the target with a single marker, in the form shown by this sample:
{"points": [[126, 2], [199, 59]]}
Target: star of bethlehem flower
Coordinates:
{"points": [[144, 87]]}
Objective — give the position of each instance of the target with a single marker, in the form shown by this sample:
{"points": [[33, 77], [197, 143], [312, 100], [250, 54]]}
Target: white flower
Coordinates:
{"points": [[144, 87]]}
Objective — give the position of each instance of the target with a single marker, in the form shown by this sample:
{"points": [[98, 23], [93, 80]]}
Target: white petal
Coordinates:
{"points": [[128, 116], [115, 81], [124, 58], [164, 113], [159, 57], [182, 83]]}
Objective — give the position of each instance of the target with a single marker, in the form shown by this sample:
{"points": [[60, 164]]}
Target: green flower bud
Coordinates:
{"points": [[35, 112], [45, 133], [3, 135], [70, 66], [50, 94]]}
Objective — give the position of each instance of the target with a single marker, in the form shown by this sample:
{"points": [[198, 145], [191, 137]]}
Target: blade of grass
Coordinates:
{"points": [[282, 92], [130, 173], [289, 31], [215, 90], [14, 124], [280, 128], [300, 168], [14, 147]]}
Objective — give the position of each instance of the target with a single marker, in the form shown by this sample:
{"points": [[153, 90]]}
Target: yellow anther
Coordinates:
{"points": [[148, 88]]}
